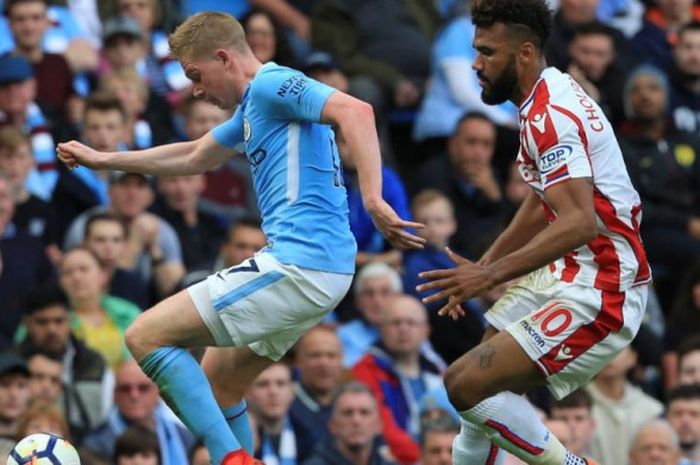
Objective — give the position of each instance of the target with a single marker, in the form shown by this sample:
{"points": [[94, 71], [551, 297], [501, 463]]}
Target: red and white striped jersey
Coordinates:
{"points": [[564, 135]]}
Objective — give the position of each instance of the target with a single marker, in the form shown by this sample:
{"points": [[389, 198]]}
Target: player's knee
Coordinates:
{"points": [[137, 341], [463, 389]]}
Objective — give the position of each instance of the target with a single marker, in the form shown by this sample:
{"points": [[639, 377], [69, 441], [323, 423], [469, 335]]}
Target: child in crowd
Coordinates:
{"points": [[435, 211]]}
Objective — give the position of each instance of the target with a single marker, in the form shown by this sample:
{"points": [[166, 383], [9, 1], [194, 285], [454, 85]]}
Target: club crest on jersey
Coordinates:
{"points": [[554, 158], [539, 122], [246, 129]]}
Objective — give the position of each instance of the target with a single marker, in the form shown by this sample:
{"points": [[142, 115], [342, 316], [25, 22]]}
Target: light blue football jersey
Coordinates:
{"points": [[296, 169]]}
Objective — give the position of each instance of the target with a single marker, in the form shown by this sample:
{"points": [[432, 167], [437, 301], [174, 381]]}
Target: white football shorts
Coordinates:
{"points": [[569, 331], [265, 304]]}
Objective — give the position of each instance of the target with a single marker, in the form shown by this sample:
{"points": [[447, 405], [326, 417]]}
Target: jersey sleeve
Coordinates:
{"points": [[283, 93], [229, 134], [562, 152]]}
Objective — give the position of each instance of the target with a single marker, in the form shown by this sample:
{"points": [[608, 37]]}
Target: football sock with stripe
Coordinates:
{"points": [[472, 446], [185, 388], [513, 425], [237, 419]]}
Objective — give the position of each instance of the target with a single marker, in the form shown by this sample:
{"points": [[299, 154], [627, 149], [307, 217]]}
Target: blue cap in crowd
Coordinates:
{"points": [[10, 362], [14, 69], [320, 61]]}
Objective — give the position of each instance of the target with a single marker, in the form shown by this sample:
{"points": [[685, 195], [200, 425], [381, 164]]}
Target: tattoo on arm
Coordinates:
{"points": [[486, 354]]}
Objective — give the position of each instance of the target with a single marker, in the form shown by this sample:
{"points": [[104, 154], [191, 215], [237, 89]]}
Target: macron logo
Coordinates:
{"points": [[538, 122]]}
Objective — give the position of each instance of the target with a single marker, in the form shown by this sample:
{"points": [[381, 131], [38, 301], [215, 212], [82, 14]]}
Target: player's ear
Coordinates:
{"points": [[527, 52], [222, 55]]}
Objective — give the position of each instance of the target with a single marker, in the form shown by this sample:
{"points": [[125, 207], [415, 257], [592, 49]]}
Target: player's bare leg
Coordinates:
{"points": [[157, 340], [231, 370], [482, 385]]}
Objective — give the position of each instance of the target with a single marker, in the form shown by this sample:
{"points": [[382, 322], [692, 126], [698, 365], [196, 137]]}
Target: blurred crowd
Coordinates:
{"points": [[83, 252]]}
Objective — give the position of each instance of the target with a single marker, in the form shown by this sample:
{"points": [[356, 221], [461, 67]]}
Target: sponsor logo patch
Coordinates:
{"points": [[554, 158]]}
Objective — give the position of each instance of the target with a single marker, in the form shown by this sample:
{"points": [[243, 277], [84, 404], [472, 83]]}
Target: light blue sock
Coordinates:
{"points": [[186, 390], [237, 419]]}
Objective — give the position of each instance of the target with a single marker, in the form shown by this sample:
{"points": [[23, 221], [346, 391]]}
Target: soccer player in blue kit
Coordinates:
{"points": [[249, 315]]}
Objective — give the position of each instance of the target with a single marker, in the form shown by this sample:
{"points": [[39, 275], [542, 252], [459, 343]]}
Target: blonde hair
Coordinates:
{"points": [[205, 32], [128, 75], [42, 409], [427, 197], [12, 138]]}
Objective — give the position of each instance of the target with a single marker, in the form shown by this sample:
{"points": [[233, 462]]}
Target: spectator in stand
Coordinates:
{"points": [[244, 239], [87, 381], [655, 41], [571, 15], [105, 236], [468, 178], [689, 361], [436, 439], [371, 245], [23, 265], [152, 247], [399, 375], [266, 38], [103, 128], [619, 408], [595, 67], [164, 75], [664, 166], [683, 413], [386, 41], [200, 233], [32, 214], [228, 191], [322, 67], [454, 89], [375, 284], [15, 393], [655, 443], [293, 15], [42, 417], [684, 100], [123, 45], [355, 427], [132, 91], [281, 439], [99, 320], [683, 325], [433, 209], [318, 360], [46, 370], [450, 338], [576, 410], [29, 22], [19, 109], [137, 403], [137, 446]]}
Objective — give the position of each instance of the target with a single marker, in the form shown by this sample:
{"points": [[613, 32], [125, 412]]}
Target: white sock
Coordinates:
{"points": [[511, 423], [473, 447]]}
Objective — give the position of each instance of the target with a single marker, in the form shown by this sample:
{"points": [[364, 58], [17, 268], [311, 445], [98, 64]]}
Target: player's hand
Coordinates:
{"points": [[74, 153], [393, 228], [458, 284]]}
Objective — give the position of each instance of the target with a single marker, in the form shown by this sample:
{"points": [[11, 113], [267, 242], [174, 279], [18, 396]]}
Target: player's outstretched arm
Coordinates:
{"points": [[355, 120], [574, 226], [181, 158]]}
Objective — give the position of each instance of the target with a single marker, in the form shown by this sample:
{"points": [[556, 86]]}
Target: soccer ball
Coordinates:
{"points": [[43, 449]]}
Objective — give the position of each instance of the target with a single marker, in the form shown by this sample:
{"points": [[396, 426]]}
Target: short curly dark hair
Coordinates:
{"points": [[531, 19]]}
